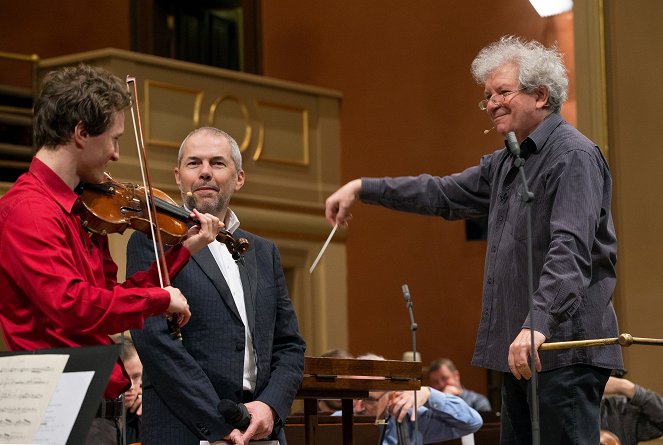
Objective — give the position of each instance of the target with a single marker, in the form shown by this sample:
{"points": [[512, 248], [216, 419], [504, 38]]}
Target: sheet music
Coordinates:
{"points": [[27, 383], [64, 407]]}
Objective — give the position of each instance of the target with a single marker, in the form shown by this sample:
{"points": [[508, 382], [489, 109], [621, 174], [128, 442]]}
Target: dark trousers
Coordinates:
{"points": [[569, 406]]}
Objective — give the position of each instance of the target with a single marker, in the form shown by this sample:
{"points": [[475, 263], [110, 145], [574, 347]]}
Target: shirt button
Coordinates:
{"points": [[490, 280], [500, 218], [493, 249]]}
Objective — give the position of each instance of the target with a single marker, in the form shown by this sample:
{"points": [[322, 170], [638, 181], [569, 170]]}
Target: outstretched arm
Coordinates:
{"points": [[337, 206]]}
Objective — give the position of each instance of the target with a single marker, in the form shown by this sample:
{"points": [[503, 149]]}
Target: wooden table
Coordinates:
{"points": [[348, 379]]}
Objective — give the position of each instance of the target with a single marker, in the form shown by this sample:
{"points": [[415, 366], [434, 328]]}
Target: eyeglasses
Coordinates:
{"points": [[483, 105]]}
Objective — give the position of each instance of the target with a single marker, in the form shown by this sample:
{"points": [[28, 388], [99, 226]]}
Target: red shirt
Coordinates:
{"points": [[59, 284]]}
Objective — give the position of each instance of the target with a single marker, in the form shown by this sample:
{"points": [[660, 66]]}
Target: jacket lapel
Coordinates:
{"points": [[248, 271], [208, 264]]}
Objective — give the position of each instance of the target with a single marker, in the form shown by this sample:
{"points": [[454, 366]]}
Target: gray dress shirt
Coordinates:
{"points": [[574, 244], [477, 401]]}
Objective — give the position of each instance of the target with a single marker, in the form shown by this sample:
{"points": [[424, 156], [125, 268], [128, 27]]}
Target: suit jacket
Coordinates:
{"points": [[183, 381]]}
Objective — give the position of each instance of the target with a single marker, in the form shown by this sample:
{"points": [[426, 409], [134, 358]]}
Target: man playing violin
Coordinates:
{"points": [[243, 345], [59, 281]]}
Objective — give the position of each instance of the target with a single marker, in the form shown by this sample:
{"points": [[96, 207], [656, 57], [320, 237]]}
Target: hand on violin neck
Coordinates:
{"points": [[203, 233], [178, 306]]}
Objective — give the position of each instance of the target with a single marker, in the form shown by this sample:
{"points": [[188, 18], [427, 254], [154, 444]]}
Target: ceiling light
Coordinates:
{"points": [[547, 8]]}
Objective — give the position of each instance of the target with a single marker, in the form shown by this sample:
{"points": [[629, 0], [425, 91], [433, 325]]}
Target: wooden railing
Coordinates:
{"points": [[16, 145]]}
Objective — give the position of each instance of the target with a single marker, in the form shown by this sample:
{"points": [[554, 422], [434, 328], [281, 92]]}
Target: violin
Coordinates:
{"points": [[112, 207]]}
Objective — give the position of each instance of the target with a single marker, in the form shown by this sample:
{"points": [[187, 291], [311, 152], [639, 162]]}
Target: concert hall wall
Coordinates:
{"points": [[410, 106]]}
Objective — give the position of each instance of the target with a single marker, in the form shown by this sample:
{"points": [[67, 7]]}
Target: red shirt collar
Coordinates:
{"points": [[53, 184]]}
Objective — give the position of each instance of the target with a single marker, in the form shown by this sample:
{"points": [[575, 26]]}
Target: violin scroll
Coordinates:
{"points": [[236, 247]]}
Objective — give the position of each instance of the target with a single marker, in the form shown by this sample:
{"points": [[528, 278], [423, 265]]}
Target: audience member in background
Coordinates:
{"points": [[440, 416], [631, 412], [331, 405], [444, 376], [133, 398]]}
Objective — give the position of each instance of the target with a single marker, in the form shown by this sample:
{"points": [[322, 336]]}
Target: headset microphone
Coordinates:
{"points": [[489, 130]]}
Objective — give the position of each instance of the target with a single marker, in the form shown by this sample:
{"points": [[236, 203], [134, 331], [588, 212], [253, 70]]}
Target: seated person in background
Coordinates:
{"points": [[631, 412], [440, 416], [444, 376], [331, 405], [133, 398], [607, 438]]}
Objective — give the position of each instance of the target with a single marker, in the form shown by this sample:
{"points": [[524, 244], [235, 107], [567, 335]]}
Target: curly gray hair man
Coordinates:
{"points": [[573, 238], [538, 67]]}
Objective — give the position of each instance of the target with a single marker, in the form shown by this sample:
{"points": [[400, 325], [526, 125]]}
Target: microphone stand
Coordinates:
{"points": [[527, 197], [123, 428], [413, 328]]}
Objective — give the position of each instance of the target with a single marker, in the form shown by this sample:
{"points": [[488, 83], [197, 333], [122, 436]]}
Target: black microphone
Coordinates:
{"points": [[512, 144], [235, 414]]}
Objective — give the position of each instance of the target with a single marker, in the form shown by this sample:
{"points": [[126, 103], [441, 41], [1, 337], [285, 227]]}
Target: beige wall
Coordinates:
{"points": [[635, 70], [619, 67]]}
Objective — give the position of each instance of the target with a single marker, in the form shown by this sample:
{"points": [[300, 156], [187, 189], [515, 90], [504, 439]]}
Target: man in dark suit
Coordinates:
{"points": [[262, 366]]}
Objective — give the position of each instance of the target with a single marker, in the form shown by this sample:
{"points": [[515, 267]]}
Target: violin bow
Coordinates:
{"points": [[159, 252]]}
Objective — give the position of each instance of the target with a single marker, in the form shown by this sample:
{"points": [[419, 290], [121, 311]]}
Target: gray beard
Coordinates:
{"points": [[216, 207]]}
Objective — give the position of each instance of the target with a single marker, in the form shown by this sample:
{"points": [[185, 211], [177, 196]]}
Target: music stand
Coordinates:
{"points": [[99, 359]]}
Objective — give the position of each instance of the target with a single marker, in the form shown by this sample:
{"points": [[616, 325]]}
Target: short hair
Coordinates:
{"points": [[337, 353], [370, 356], [128, 349], [235, 154], [74, 94], [439, 363], [537, 66]]}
